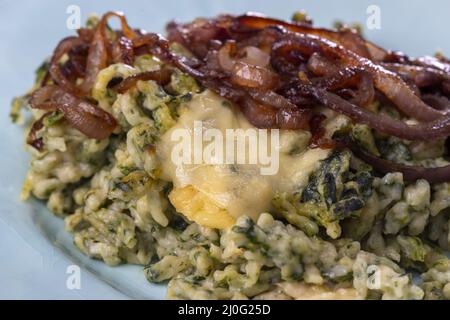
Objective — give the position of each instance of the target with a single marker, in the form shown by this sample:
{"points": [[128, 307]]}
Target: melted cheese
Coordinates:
{"points": [[198, 207], [237, 189]]}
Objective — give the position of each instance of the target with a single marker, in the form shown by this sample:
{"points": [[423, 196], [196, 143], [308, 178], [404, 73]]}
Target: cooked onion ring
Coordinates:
{"points": [[420, 75], [32, 138], [433, 62], [255, 56], [158, 46], [321, 66], [123, 51], [349, 77], [262, 116], [250, 76], [410, 173], [81, 114], [63, 47], [348, 39], [386, 81], [97, 58], [162, 77], [438, 102], [271, 98], [423, 131], [243, 73]]}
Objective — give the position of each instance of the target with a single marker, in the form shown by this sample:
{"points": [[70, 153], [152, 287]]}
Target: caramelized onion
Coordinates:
{"points": [[347, 38], [433, 62], [199, 34], [271, 98], [259, 115], [250, 76], [42, 98], [255, 56], [75, 66], [263, 111], [420, 75], [123, 51], [438, 102], [386, 81], [293, 118], [87, 118], [98, 56], [224, 56], [318, 139], [349, 77], [274, 70], [262, 116], [446, 88], [127, 31], [91, 120], [423, 131], [224, 89], [321, 66], [410, 173], [63, 47], [293, 92], [158, 46], [162, 77], [85, 34], [243, 73], [262, 39], [32, 138]]}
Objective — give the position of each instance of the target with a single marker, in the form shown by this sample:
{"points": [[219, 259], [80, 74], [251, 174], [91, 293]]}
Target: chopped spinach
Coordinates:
{"points": [[334, 192]]}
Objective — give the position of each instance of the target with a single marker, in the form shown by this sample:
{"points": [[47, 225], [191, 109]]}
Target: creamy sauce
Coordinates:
{"points": [[241, 189]]}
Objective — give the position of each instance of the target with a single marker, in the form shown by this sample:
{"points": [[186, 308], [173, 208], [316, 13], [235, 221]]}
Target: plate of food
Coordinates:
{"points": [[237, 156]]}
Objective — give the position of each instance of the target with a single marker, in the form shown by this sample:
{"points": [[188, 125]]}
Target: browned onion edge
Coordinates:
{"points": [[410, 173]]}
